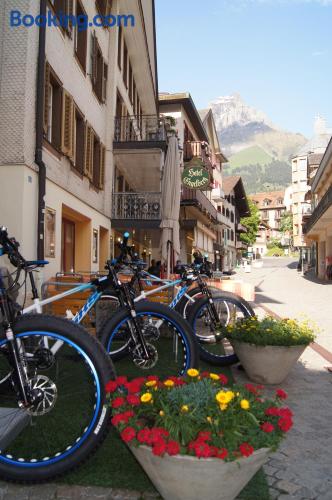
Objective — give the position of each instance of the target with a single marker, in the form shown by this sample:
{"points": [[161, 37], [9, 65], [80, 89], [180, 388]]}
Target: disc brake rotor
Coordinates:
{"points": [[140, 361], [46, 392]]}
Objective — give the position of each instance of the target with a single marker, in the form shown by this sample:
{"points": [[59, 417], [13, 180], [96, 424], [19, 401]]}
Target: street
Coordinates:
{"points": [[301, 469], [283, 290]]}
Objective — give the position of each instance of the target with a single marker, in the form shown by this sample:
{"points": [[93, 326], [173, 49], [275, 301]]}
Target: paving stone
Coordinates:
{"points": [[278, 464], [43, 491], [287, 486], [271, 480], [286, 497], [274, 494], [306, 493], [269, 470], [96, 493], [125, 495]]}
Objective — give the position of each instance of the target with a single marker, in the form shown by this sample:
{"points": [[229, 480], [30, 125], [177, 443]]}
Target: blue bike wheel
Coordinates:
{"points": [[67, 373]]}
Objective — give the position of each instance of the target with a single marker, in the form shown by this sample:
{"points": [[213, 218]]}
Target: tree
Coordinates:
{"points": [[286, 226], [251, 222]]}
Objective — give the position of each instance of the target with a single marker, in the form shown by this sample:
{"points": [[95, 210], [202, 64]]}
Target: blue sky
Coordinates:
{"points": [[276, 53]]}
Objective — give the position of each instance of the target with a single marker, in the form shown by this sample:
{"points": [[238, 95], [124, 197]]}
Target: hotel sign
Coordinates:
{"points": [[195, 178]]}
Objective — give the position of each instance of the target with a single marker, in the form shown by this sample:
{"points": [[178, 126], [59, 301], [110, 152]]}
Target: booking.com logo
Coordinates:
{"points": [[62, 20]]}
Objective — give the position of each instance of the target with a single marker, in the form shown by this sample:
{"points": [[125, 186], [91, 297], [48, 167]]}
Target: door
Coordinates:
{"points": [[68, 246]]}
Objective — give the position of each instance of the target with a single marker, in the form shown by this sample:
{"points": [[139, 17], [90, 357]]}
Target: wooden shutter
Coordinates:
{"points": [[73, 155], [88, 157], [102, 167], [46, 95], [67, 129], [104, 83], [69, 9], [94, 59]]}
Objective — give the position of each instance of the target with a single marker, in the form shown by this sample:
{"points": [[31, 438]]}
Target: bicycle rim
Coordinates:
{"points": [[59, 425], [166, 341]]}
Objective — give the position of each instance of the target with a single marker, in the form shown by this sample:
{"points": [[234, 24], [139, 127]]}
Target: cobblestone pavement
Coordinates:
{"points": [[302, 467], [64, 492]]}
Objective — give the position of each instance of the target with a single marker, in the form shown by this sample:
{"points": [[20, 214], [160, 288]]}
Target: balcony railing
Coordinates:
{"points": [[240, 228], [148, 128], [137, 206], [197, 149], [322, 206], [197, 198]]}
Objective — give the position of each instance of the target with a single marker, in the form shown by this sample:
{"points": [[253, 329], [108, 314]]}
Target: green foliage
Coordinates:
{"points": [[250, 156], [257, 178], [271, 331], [251, 223], [273, 251], [274, 243], [286, 223]]}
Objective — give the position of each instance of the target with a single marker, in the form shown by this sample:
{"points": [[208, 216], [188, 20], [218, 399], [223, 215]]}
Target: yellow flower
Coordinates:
{"points": [[169, 383], [214, 376], [238, 394], [224, 397], [151, 383], [184, 408], [209, 419], [223, 407], [146, 397], [245, 405], [192, 372], [162, 413]]}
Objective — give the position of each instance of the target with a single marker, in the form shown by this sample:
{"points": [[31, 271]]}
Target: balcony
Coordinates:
{"points": [[240, 245], [196, 198], [136, 209], [323, 206], [240, 228], [217, 194], [139, 149], [145, 128]]}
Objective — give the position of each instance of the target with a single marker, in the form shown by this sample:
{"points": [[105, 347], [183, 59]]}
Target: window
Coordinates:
{"points": [[232, 235], [94, 167], [232, 217], [303, 164], [266, 202], [65, 7], [80, 38], [119, 46], [134, 96], [265, 214], [280, 201], [99, 70], [294, 166], [79, 141], [52, 107], [95, 246], [49, 232], [125, 64], [68, 125]]}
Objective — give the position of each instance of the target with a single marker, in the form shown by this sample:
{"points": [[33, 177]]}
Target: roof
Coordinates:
{"points": [[184, 98], [206, 115], [234, 183], [273, 196], [314, 159]]}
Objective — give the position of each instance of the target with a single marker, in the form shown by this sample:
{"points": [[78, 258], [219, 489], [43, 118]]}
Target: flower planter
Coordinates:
{"points": [[184, 477], [267, 364]]}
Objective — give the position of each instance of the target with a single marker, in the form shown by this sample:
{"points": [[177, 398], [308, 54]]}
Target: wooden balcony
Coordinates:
{"points": [[324, 204], [196, 198], [197, 149]]}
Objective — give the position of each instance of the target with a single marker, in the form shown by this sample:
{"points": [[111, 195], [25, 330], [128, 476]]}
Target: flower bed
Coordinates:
{"points": [[197, 415]]}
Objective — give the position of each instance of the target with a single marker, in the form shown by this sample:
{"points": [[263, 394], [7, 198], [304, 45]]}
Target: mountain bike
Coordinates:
{"points": [[217, 309], [52, 385]]}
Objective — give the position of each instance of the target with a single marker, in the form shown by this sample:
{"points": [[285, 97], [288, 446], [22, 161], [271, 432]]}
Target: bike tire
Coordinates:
{"points": [[152, 310], [86, 355], [196, 313]]}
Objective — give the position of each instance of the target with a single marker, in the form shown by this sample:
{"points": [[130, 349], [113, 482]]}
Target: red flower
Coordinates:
{"points": [[159, 447], [205, 375], [133, 400], [122, 417], [133, 387], [251, 388], [267, 427], [117, 402], [202, 450], [157, 433], [281, 394], [152, 377], [223, 379], [111, 386], [173, 447], [143, 435], [121, 380], [272, 411], [128, 434], [285, 423], [285, 412], [203, 436], [246, 449], [222, 453]]}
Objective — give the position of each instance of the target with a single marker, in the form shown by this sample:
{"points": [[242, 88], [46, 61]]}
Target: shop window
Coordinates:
{"points": [[50, 232]]}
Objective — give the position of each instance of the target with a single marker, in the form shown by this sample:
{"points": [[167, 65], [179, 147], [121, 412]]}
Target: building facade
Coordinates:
{"points": [[318, 227], [301, 162], [98, 86]]}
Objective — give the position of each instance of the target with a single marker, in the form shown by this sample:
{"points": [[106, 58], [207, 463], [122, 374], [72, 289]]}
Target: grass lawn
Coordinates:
{"points": [[114, 466]]}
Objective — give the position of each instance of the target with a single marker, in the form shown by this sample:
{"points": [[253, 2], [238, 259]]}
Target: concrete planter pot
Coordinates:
{"points": [[182, 477], [267, 364]]}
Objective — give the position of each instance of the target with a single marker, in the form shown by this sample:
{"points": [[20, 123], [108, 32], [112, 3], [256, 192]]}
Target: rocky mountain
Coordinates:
{"points": [[256, 148], [241, 126]]}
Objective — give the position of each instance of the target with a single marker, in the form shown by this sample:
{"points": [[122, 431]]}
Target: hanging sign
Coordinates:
{"points": [[195, 178]]}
